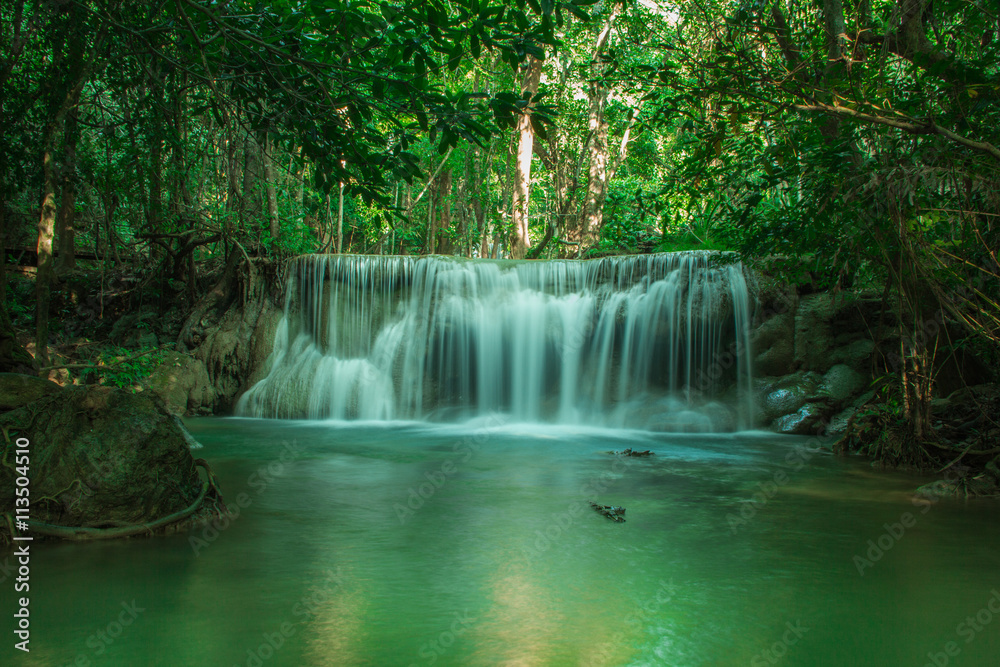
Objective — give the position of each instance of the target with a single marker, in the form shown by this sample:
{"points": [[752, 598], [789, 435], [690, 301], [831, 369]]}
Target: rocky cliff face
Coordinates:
{"points": [[225, 341], [813, 357]]}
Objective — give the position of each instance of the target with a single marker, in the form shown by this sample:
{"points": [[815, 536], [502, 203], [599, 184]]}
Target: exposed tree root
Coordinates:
{"points": [[209, 489], [960, 445]]}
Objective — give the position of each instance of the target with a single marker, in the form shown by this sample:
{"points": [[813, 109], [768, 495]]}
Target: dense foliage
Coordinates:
{"points": [[862, 136]]}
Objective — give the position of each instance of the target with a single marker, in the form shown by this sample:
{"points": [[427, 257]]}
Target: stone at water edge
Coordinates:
{"points": [[785, 395], [104, 456], [838, 423], [801, 422]]}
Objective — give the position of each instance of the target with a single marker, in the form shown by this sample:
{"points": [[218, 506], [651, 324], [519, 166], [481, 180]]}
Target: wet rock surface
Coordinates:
{"points": [[101, 458], [812, 357]]}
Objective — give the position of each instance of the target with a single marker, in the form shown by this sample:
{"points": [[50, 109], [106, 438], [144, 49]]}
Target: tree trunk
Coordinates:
{"points": [[833, 19], [477, 196], [521, 239], [63, 97], [154, 209], [46, 226], [233, 205], [443, 209], [340, 219], [65, 232], [597, 175], [3, 246], [272, 195], [598, 152], [252, 204]]}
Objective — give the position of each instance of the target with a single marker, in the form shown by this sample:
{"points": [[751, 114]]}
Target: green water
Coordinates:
{"points": [[501, 562]]}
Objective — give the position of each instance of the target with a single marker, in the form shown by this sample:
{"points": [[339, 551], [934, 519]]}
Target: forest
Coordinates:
{"points": [[855, 143], [467, 280]]}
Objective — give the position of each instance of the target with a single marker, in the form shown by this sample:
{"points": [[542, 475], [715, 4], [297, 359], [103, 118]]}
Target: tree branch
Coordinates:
{"points": [[912, 126]]}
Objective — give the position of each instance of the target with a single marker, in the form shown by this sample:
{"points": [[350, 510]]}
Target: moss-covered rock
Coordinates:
{"points": [[182, 383], [17, 389], [231, 330], [100, 457]]}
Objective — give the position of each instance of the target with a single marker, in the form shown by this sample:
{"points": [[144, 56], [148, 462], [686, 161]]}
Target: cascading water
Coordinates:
{"points": [[651, 341]]}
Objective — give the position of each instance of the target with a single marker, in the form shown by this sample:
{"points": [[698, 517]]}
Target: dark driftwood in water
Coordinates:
{"points": [[613, 512], [633, 452]]}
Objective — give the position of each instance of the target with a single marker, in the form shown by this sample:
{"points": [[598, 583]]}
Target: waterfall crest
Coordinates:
{"points": [[650, 341]]}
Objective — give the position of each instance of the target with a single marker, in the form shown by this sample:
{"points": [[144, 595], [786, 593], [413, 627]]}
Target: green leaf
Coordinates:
{"points": [[576, 11]]}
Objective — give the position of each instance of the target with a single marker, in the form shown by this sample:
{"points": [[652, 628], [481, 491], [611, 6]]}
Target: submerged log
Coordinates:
{"points": [[633, 452], [613, 512]]}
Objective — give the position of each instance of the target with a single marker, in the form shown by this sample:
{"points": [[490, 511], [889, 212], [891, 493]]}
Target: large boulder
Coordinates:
{"points": [[812, 352], [814, 337], [806, 402], [855, 353], [182, 383], [136, 329], [102, 458], [839, 422], [17, 389], [841, 383], [773, 343], [808, 419], [779, 396]]}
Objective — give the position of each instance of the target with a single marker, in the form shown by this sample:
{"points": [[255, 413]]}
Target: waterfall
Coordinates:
{"points": [[649, 341]]}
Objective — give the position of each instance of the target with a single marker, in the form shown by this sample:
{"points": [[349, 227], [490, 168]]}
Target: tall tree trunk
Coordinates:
{"points": [[65, 232], [443, 211], [597, 176], [234, 207], [3, 245], [477, 196], [431, 224], [154, 208], [269, 188], [340, 218], [252, 204], [46, 226], [63, 95], [833, 19], [521, 240]]}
